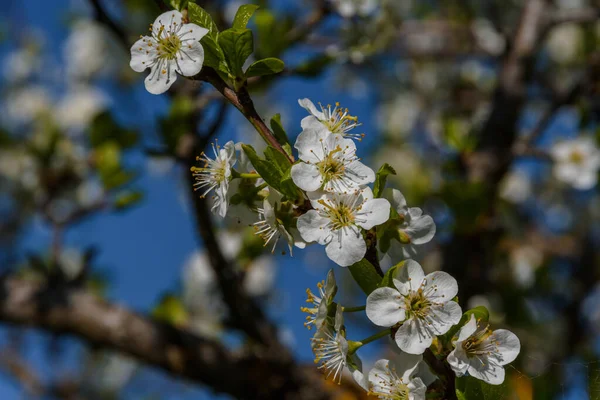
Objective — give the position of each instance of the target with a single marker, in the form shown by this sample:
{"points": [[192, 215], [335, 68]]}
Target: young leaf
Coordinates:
{"points": [[266, 169], [381, 178], [213, 54], [365, 275], [243, 15], [127, 199], [200, 17], [387, 280], [266, 66], [288, 187], [237, 46], [280, 134], [177, 4], [281, 161]]}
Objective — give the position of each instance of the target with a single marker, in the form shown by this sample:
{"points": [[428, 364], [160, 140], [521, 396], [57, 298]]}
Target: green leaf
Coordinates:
{"points": [[280, 134], [171, 310], [365, 275], [469, 388], [237, 46], [243, 15], [388, 278], [177, 4], [269, 171], [200, 17], [127, 199], [381, 178], [213, 54], [288, 187], [266, 66], [104, 129], [280, 160]]}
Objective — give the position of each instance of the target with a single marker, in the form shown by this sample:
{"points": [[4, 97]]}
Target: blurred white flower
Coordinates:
{"points": [[350, 8], [565, 42], [79, 107], [515, 187], [398, 117], [18, 166], [71, 263], [487, 37], [524, 260], [113, 372], [260, 277], [576, 162], [174, 48], [89, 193], [89, 51], [570, 4], [21, 64], [27, 104]]}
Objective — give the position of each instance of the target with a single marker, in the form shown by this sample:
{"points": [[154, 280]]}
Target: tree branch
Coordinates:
{"points": [[247, 375]]}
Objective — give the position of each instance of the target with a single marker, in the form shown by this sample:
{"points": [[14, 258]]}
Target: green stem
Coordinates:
{"points": [[261, 186], [353, 346], [244, 175], [354, 309]]}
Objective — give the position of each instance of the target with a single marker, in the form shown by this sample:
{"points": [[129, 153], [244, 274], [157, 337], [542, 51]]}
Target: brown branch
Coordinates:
{"points": [[247, 375]]}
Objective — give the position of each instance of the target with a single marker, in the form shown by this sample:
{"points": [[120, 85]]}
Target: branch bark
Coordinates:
{"points": [[245, 375]]}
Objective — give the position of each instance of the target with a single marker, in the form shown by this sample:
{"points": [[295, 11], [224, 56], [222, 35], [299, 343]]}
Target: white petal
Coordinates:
{"points": [[379, 375], [161, 77], [567, 172], [413, 337], [457, 362], [396, 198], [586, 180], [190, 59], [306, 176], [405, 365], [421, 230], [169, 20], [312, 227], [360, 173], [440, 287], [346, 247], [310, 146], [142, 55], [442, 317], [417, 390], [367, 193], [310, 107], [409, 277], [311, 122], [385, 307], [508, 344], [488, 372], [192, 32], [467, 330], [372, 213]]}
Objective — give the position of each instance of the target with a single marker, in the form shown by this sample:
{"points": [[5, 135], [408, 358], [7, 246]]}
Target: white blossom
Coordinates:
{"points": [[318, 312], [79, 107], [335, 120], [272, 220], [174, 47], [216, 174], [89, 51], [482, 353], [414, 228], [565, 43], [71, 263], [516, 187], [329, 162], [576, 162], [260, 277], [27, 104], [336, 223], [423, 304], [350, 8], [331, 347]]}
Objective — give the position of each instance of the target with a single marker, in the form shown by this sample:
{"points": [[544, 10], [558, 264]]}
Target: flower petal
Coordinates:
{"points": [[142, 55], [372, 213], [440, 287], [168, 21], [488, 372], [307, 176], [421, 229], [443, 317], [346, 247], [457, 362], [312, 227], [161, 77], [396, 198], [192, 32], [310, 145], [310, 107], [190, 59], [409, 277], [467, 330], [359, 173], [508, 344], [414, 337], [385, 307], [405, 365]]}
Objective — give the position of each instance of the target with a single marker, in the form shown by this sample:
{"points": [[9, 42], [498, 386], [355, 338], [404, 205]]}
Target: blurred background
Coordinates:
{"points": [[468, 100]]}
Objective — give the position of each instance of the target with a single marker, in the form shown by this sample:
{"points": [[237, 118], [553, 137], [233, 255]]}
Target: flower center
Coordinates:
{"points": [[331, 167], [340, 215], [391, 386], [476, 345], [576, 157], [168, 47], [417, 305]]}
